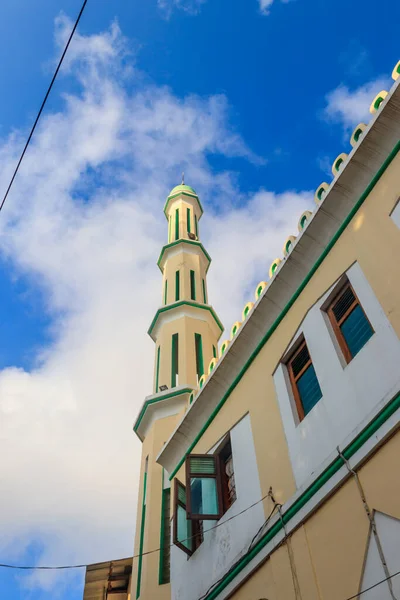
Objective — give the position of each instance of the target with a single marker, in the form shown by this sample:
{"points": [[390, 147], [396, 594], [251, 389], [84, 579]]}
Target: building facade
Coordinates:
{"points": [[270, 460]]}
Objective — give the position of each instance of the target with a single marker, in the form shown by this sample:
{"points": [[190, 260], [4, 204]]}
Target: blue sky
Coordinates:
{"points": [[254, 103]]}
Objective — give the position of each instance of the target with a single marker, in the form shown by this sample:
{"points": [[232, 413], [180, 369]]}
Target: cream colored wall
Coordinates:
{"points": [[185, 327], [329, 548], [183, 203], [373, 240], [184, 261], [153, 443]]}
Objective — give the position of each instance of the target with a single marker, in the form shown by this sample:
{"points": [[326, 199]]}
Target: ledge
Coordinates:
{"points": [[182, 194], [187, 303], [182, 241]]}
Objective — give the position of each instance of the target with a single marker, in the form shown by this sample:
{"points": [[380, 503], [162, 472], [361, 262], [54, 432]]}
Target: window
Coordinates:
{"points": [[174, 360], [187, 534], [349, 322], [165, 538], [196, 226], [199, 355], [192, 285], [204, 292], [177, 224], [304, 380], [203, 487], [188, 220], [227, 476], [166, 291], [177, 285]]}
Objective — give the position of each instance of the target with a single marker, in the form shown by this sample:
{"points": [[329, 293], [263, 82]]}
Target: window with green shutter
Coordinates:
{"points": [[204, 292], [174, 360], [349, 322], [305, 386], [188, 220], [192, 285], [177, 224], [203, 487], [177, 285], [198, 344]]}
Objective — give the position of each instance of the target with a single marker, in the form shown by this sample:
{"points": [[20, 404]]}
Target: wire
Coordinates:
{"points": [[373, 586], [43, 103], [54, 568]]}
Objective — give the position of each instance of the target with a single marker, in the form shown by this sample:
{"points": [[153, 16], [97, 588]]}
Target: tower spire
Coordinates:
{"points": [[183, 178]]}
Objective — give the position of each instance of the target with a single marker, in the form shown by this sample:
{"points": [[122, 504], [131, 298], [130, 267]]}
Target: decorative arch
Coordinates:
{"points": [[235, 328], [377, 101], [201, 381], [247, 309], [287, 247], [305, 217], [357, 134], [274, 266], [212, 364], [259, 289], [396, 71], [224, 347], [321, 192], [338, 163]]}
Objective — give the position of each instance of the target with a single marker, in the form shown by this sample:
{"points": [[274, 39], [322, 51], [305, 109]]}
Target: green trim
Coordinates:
{"points": [[192, 285], [214, 352], [259, 290], [158, 367], [174, 358], [320, 192], [304, 219], [288, 244], [204, 292], [185, 303], [177, 285], [177, 224], [274, 267], [378, 102], [188, 220], [183, 241], [172, 196], [337, 164], [166, 291], [164, 492], [154, 401], [292, 300], [198, 343], [306, 496], [139, 575], [196, 226], [246, 311], [191, 397], [357, 134]]}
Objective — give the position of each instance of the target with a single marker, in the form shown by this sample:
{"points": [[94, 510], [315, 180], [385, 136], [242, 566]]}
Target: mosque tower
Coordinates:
{"points": [[185, 330]]}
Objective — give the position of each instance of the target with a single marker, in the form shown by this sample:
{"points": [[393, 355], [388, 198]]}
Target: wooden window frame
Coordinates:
{"points": [[221, 453], [293, 378], [216, 475], [197, 530], [336, 324]]}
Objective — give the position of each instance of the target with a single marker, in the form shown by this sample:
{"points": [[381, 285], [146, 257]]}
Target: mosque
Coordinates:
{"points": [[270, 456]]}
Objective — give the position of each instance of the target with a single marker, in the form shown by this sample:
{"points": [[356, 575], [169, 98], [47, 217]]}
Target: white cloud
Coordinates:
{"points": [[190, 7], [265, 5], [84, 221], [350, 107]]}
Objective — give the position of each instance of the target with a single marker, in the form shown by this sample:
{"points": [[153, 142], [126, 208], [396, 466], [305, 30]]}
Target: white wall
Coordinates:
{"points": [[351, 393], [191, 577]]}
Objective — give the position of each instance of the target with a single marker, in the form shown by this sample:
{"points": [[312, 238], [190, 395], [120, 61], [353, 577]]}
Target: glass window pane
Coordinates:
{"points": [[309, 389], [184, 528], [356, 330], [203, 493]]}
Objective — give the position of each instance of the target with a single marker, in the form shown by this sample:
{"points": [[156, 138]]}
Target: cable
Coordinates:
{"points": [[373, 586], [43, 103], [54, 568]]}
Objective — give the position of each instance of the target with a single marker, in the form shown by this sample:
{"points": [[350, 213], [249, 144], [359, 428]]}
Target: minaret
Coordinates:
{"points": [[186, 331]]}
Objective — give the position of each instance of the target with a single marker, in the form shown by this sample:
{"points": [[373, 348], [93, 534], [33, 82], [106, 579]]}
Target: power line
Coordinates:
{"points": [[43, 103], [373, 586]]}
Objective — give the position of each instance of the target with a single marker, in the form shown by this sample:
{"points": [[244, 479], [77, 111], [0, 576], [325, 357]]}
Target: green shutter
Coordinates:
{"points": [[192, 285], [158, 367], [196, 227], [174, 359], [177, 224], [188, 219], [202, 465], [199, 355], [165, 291], [177, 285], [204, 292]]}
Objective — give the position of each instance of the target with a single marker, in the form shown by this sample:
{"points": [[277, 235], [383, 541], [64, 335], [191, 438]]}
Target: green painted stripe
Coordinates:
{"points": [[177, 285], [184, 303], [158, 367], [292, 300], [188, 219], [177, 224], [139, 575], [192, 285], [204, 292], [164, 492], [181, 194], [329, 472], [199, 354], [166, 291], [196, 226], [154, 401], [183, 241], [174, 359]]}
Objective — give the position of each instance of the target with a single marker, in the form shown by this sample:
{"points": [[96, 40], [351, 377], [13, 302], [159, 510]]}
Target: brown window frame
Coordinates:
{"points": [[293, 378], [216, 475], [197, 527], [223, 454], [336, 324]]}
